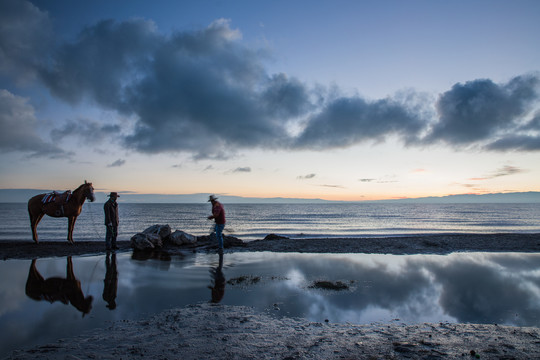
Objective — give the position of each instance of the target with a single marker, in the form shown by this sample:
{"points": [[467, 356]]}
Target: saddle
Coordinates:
{"points": [[57, 199]]}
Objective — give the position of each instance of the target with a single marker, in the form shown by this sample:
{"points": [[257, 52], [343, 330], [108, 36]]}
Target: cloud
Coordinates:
{"points": [[332, 186], [348, 121], [117, 163], [18, 128], [25, 37], [242, 170], [204, 92], [91, 132], [507, 170], [306, 177], [481, 110], [379, 180]]}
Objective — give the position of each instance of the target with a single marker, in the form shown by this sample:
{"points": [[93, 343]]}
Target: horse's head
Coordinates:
{"points": [[88, 191]]}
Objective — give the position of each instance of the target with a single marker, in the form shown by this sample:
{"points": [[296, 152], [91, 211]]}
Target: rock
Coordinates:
{"points": [[228, 241], [329, 285], [164, 231], [142, 241], [182, 238], [275, 237]]}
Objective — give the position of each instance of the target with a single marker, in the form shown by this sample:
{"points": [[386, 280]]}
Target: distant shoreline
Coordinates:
{"points": [[420, 244], [526, 197]]}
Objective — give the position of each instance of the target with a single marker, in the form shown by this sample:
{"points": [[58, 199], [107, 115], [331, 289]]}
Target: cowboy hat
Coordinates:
{"points": [[113, 194], [212, 198]]}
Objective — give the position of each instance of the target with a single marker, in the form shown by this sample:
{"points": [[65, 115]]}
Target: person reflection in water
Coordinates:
{"points": [[67, 291], [111, 281], [218, 281]]}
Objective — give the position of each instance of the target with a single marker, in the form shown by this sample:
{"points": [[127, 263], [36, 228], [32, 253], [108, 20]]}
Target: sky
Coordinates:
{"points": [[335, 100]]}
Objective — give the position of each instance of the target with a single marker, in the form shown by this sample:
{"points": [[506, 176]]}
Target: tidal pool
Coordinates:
{"points": [[48, 299]]}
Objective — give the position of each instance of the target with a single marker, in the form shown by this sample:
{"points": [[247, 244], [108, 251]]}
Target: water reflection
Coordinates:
{"points": [[110, 283], [218, 281], [499, 288], [66, 290]]}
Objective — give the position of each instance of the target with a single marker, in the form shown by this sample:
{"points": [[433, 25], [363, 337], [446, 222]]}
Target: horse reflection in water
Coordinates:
{"points": [[111, 281], [218, 281], [66, 290]]}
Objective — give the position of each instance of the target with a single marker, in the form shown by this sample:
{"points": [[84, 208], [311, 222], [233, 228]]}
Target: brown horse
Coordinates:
{"points": [[70, 208], [66, 290]]}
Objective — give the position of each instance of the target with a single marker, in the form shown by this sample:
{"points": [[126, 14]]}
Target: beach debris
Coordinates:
{"points": [[329, 285]]}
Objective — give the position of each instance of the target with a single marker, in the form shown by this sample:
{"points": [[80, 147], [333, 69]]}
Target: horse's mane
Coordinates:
{"points": [[82, 185]]}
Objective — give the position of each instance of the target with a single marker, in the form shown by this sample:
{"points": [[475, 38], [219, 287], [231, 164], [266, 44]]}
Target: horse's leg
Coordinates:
{"points": [[71, 225], [34, 221], [34, 282], [69, 270]]}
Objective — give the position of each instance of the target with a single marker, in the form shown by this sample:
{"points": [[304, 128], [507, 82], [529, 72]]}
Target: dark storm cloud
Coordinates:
{"points": [[196, 91], [18, 129], [102, 63], [526, 138], [516, 142], [481, 110], [25, 31], [206, 93], [348, 121]]}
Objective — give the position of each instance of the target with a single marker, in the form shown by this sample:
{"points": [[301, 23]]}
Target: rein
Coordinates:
{"points": [[94, 221]]}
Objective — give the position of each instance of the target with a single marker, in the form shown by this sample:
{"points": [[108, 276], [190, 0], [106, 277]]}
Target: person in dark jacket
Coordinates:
{"points": [[111, 221]]}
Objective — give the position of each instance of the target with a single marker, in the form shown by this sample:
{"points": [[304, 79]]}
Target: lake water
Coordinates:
{"points": [[255, 221], [502, 288]]}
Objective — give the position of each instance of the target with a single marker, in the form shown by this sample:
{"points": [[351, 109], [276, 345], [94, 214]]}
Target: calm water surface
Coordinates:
{"points": [[255, 221], [502, 288]]}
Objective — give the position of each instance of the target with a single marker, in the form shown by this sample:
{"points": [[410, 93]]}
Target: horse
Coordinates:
{"points": [[66, 290], [70, 208]]}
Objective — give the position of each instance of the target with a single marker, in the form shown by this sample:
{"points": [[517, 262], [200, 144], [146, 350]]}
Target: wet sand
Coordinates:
{"points": [[207, 331]]}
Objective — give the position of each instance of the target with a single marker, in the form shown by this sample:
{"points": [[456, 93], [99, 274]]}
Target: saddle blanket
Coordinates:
{"points": [[51, 197]]}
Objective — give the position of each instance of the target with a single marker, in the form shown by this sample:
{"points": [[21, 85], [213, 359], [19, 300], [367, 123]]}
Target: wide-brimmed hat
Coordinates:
{"points": [[212, 198], [114, 193]]}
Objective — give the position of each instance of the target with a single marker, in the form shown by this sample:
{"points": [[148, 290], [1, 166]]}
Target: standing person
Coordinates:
{"points": [[111, 221], [110, 284], [218, 214]]}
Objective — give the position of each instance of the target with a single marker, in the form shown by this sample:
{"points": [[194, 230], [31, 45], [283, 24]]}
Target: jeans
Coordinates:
{"points": [[110, 237], [219, 234]]}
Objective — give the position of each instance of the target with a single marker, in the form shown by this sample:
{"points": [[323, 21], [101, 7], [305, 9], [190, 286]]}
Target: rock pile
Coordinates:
{"points": [[156, 236]]}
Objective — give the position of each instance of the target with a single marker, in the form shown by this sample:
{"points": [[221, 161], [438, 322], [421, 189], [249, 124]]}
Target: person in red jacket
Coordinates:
{"points": [[218, 214]]}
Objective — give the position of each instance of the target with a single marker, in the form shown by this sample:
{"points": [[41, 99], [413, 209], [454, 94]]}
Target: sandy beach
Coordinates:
{"points": [[204, 331]]}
